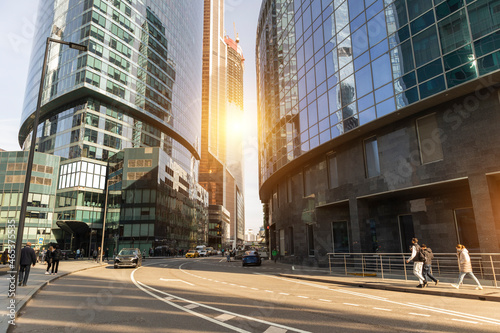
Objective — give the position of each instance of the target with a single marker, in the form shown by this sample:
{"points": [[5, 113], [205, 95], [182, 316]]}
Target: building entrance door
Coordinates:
{"points": [[406, 232]]}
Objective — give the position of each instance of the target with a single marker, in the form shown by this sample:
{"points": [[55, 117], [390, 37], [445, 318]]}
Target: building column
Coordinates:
{"points": [[483, 213], [358, 211]]}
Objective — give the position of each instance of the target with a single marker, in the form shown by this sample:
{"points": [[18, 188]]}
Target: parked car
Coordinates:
{"points": [[211, 251], [128, 257], [68, 254], [251, 258], [203, 253], [192, 254]]}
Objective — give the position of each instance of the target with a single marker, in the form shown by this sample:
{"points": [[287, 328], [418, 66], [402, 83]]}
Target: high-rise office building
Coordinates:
{"points": [[377, 124], [137, 87], [221, 170]]}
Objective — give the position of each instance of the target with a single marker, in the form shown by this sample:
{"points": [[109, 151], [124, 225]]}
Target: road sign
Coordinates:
{"points": [[40, 241]]}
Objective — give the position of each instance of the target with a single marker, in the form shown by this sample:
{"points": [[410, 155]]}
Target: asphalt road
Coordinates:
{"points": [[211, 295]]}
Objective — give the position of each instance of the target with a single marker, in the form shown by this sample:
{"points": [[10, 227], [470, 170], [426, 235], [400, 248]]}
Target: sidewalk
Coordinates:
{"points": [[467, 290], [37, 280]]}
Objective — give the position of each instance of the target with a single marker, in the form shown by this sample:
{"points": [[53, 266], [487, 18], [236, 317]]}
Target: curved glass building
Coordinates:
{"points": [[137, 86], [366, 109]]}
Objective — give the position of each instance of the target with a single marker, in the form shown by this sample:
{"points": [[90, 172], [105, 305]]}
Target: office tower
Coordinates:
{"points": [[221, 171], [135, 92], [377, 125]]}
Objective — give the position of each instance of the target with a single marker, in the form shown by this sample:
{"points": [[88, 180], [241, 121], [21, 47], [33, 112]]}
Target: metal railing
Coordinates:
{"points": [[486, 266]]}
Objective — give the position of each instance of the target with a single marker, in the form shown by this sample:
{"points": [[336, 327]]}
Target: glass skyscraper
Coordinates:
{"points": [[137, 86], [369, 113]]}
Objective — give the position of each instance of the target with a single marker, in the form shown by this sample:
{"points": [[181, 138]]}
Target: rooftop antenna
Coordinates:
{"points": [[235, 34]]}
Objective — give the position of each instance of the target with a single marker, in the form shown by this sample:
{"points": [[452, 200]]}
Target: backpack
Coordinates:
{"points": [[57, 254], [420, 256]]}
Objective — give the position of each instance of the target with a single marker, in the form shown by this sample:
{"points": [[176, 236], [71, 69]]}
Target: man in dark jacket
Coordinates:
{"points": [[426, 270], [28, 258]]}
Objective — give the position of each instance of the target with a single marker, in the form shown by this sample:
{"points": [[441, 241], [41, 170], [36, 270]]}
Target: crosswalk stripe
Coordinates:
{"points": [[191, 306], [224, 317], [273, 329]]}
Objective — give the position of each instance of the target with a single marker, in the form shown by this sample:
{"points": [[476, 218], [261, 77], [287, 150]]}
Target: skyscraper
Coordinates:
{"points": [[221, 171], [137, 87], [376, 125]]}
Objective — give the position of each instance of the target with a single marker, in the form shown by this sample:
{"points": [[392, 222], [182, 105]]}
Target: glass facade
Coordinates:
{"points": [[327, 67]]}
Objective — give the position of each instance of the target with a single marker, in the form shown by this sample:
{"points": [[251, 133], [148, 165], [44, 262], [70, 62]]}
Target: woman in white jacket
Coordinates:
{"points": [[465, 267]]}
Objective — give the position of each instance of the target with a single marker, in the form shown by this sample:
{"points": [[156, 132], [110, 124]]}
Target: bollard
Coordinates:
{"points": [[494, 274]]}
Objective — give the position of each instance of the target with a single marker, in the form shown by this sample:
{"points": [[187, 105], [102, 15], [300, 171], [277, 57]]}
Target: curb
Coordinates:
{"points": [[35, 291], [399, 289]]}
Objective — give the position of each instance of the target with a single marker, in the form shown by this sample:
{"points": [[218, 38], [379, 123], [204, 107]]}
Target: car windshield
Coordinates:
{"points": [[191, 251], [251, 253], [127, 252]]}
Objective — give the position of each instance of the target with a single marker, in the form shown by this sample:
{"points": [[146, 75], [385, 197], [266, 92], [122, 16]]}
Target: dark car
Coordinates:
{"points": [[68, 254], [128, 257], [251, 258]]}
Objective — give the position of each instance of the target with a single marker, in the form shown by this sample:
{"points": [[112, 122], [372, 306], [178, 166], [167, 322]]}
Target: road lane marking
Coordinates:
{"points": [[177, 280], [143, 287], [243, 287], [419, 314], [254, 288], [325, 300], [192, 306], [269, 291], [382, 309], [465, 321], [169, 298], [351, 304], [303, 296], [285, 294], [411, 305], [273, 329], [224, 317]]}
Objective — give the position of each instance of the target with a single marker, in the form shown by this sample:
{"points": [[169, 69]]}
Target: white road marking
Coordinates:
{"points": [[325, 300], [192, 306], [284, 294], [269, 291], [303, 296], [465, 321], [143, 287], [411, 305], [242, 287], [273, 329], [178, 280], [169, 298], [419, 314], [382, 309], [351, 304], [224, 317], [254, 288]]}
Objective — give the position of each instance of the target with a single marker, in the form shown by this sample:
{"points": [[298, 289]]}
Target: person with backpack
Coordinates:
{"points": [[417, 256], [49, 257], [56, 257], [426, 271]]}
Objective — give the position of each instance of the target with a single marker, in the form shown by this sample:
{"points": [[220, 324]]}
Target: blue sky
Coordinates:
{"points": [[17, 22]]}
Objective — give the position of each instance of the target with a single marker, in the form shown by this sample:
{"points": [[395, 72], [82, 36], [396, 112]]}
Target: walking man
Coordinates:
{"points": [[28, 258], [56, 257], [418, 263], [426, 273]]}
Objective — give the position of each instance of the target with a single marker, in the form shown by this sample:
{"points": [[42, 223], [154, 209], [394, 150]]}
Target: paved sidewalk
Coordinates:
{"points": [[37, 279], [444, 288]]}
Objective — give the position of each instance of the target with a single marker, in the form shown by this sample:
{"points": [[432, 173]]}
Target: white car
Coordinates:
{"points": [[203, 253]]}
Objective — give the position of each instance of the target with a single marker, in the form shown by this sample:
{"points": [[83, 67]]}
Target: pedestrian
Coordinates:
{"points": [[106, 254], [222, 253], [274, 254], [151, 252], [5, 256], [426, 271], [94, 255], [418, 262], [77, 254], [40, 255], [144, 255], [82, 252], [48, 258], [28, 258], [228, 255], [56, 257], [465, 267]]}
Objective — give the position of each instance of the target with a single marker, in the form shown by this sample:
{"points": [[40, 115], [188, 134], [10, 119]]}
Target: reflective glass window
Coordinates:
{"points": [[312, 113], [318, 39], [355, 8], [408, 97], [454, 31], [377, 29], [358, 21], [430, 70], [489, 63], [447, 7], [328, 29], [367, 116], [359, 41], [487, 44], [432, 87], [384, 93], [334, 99], [365, 102], [364, 81], [462, 74], [323, 106], [385, 107], [341, 19], [484, 17], [374, 9], [362, 61], [422, 22], [400, 12], [381, 69], [320, 71], [458, 57], [425, 46], [347, 91], [372, 163], [418, 7], [379, 49]]}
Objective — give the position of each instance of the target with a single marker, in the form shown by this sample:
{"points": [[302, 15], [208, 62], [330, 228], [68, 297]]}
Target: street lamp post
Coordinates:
{"points": [[24, 202]]}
